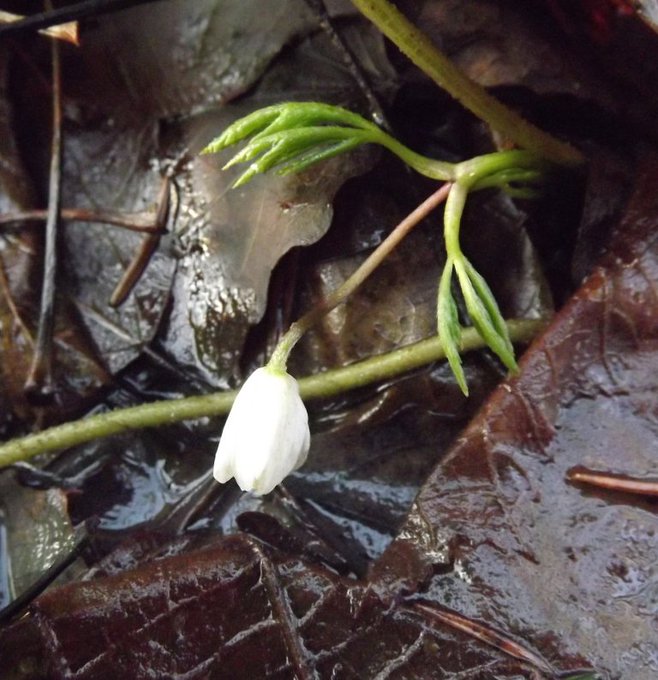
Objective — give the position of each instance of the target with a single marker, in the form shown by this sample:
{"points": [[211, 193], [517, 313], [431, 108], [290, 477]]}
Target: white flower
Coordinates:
{"points": [[266, 435]]}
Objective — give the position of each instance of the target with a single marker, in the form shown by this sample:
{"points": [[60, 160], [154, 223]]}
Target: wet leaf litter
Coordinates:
{"points": [[419, 539]]}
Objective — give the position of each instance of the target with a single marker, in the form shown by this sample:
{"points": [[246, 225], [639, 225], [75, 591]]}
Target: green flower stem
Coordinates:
{"points": [[280, 355], [322, 385], [424, 54]]}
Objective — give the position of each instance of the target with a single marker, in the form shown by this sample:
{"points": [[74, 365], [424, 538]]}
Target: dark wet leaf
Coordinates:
{"points": [[619, 38], [237, 611], [569, 570], [114, 137], [201, 55]]}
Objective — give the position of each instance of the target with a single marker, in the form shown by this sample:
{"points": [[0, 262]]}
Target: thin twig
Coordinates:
{"points": [[483, 633], [147, 247], [140, 222], [81, 10], [614, 481], [135, 269], [39, 379]]}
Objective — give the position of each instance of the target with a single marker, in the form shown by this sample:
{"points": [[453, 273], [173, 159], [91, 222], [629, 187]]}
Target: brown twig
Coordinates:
{"points": [[146, 249], [39, 379], [483, 633], [614, 481], [140, 222], [152, 224]]}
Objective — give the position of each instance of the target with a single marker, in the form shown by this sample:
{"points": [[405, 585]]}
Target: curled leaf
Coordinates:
{"points": [[489, 301]]}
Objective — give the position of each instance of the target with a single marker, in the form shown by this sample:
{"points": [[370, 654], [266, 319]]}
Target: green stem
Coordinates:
{"points": [[424, 54], [430, 167], [281, 352], [452, 220], [474, 170], [483, 172], [327, 384]]}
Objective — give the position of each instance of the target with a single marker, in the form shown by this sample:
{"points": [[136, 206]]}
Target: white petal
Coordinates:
{"points": [[304, 448], [223, 468], [266, 435]]}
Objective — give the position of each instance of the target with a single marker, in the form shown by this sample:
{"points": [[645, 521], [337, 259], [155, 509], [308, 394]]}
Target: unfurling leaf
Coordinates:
{"points": [[295, 135], [292, 136]]}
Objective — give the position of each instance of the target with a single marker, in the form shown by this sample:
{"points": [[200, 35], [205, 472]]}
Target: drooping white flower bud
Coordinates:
{"points": [[266, 434]]}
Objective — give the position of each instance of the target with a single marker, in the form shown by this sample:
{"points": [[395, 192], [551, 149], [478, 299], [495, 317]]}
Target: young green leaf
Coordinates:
{"points": [[481, 314], [313, 114], [244, 127], [285, 117], [293, 150], [287, 136], [448, 326], [489, 301], [320, 153], [290, 137], [511, 177]]}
